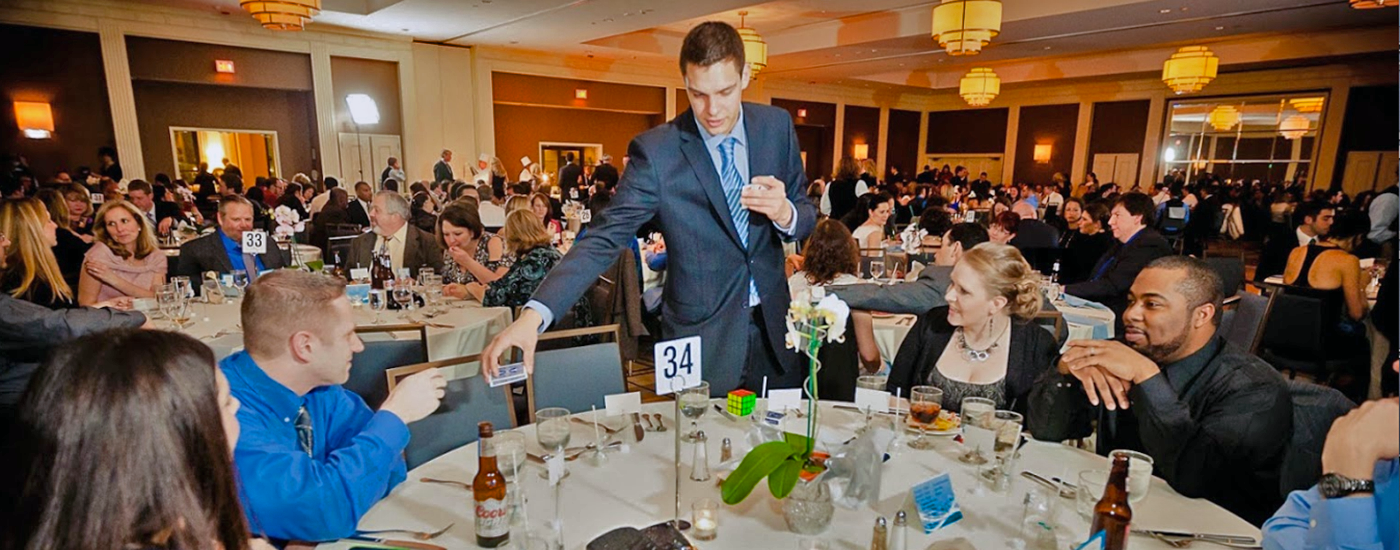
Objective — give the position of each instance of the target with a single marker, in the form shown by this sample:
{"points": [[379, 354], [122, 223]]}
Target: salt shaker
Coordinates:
{"points": [[726, 451], [897, 533], [700, 467]]}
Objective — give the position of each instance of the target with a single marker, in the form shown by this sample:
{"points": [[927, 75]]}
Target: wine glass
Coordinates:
{"points": [[378, 303], [877, 270], [552, 431], [925, 402], [241, 280], [694, 402], [871, 382], [510, 453], [402, 294]]}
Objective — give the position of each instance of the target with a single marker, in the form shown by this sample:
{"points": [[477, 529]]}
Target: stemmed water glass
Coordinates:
{"points": [[402, 292], [871, 382], [877, 270], [552, 431], [377, 302], [925, 402], [978, 435], [241, 281], [694, 402]]}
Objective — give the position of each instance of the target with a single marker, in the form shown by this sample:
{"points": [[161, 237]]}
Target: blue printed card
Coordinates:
{"points": [[936, 503]]}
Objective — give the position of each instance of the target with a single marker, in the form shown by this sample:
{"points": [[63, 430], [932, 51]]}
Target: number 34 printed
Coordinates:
{"points": [[677, 365]]}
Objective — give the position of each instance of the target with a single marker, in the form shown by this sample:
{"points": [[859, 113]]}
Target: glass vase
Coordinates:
{"points": [[808, 508]]}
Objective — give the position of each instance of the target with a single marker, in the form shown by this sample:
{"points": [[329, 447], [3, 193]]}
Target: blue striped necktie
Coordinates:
{"points": [[733, 184], [305, 436]]}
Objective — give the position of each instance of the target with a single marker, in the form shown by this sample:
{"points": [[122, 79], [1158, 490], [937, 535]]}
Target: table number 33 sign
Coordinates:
{"points": [[255, 242], [677, 365]]}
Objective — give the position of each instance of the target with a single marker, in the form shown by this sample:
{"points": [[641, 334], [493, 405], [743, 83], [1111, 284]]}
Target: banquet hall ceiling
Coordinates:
{"points": [[880, 42]]}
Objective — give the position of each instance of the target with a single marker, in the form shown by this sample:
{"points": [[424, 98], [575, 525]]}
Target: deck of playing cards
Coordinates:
{"points": [[508, 374]]}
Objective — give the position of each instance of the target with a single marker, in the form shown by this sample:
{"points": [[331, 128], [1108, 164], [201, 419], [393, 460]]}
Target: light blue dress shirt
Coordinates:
{"points": [[1308, 521], [741, 162], [357, 456]]}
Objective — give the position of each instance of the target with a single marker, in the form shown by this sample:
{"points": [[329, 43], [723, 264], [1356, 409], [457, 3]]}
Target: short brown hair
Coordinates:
{"points": [[712, 42], [523, 231], [463, 215], [283, 302], [139, 185], [830, 251]]}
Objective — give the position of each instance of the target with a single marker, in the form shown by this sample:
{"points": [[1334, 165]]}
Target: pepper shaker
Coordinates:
{"points": [[726, 451]]}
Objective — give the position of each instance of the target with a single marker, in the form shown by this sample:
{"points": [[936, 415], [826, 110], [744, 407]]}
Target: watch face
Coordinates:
{"points": [[1331, 485]]}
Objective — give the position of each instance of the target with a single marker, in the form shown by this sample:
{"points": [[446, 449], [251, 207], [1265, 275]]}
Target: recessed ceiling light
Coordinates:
{"points": [[1164, 10], [1047, 47], [1220, 28]]}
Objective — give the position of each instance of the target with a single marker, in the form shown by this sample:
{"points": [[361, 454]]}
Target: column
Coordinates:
{"points": [[117, 69], [1330, 138], [922, 155], [1008, 162], [880, 161], [326, 130], [837, 150], [1082, 129], [1152, 140]]}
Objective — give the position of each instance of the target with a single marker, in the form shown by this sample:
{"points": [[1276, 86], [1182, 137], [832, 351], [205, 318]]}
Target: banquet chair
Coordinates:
{"points": [[1054, 322], [575, 377], [339, 247], [465, 402], [1231, 272], [1315, 407], [1296, 337], [367, 367], [1240, 324]]}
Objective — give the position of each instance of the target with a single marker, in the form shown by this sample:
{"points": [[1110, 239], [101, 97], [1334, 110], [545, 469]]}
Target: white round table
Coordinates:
{"points": [[464, 329], [635, 488]]}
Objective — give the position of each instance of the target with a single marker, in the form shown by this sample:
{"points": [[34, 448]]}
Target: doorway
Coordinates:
{"points": [[254, 152], [552, 156]]}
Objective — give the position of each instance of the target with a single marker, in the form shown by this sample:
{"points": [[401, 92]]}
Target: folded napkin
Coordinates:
{"points": [[1075, 301]]}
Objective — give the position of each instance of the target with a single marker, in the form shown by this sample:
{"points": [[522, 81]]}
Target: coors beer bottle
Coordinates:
{"points": [[1112, 513], [489, 490]]}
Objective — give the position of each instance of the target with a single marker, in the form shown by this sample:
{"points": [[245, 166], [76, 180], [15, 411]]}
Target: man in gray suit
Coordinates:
{"points": [[408, 246], [222, 250], [442, 171], [724, 181]]}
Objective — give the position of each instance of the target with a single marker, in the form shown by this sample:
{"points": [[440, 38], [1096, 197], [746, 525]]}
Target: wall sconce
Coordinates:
{"points": [[1042, 152], [862, 151], [223, 66], [580, 93], [35, 119], [801, 113], [363, 110]]}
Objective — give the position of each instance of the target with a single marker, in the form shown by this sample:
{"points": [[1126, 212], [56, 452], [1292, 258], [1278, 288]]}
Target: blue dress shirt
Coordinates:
{"points": [[234, 249], [1308, 521], [712, 146], [357, 456]]}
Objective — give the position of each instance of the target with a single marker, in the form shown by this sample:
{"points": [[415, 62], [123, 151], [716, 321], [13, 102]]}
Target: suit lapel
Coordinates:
{"points": [[762, 162], [693, 147]]}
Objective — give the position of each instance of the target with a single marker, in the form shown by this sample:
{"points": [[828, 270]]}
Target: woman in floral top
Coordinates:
{"points": [[470, 254], [527, 238]]}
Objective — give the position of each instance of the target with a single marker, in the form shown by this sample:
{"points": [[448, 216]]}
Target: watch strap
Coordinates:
{"points": [[1337, 486]]}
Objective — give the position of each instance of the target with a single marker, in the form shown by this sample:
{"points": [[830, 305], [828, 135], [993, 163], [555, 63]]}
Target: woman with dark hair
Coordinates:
{"points": [[423, 207], [867, 220], [469, 253], [831, 257], [124, 440], [544, 210], [1003, 227], [70, 248], [336, 211], [291, 198], [1084, 245]]}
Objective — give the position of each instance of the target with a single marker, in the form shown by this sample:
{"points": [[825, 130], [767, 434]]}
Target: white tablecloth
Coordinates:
{"points": [[467, 327], [634, 488], [1083, 323]]}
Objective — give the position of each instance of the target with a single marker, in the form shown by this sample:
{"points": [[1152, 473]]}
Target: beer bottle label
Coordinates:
{"points": [[492, 518]]}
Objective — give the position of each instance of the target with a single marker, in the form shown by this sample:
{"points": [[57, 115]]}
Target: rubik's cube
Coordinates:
{"points": [[740, 402]]}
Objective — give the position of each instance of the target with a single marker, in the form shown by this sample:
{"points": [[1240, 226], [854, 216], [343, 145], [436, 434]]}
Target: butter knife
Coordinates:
{"points": [[637, 427], [397, 543], [1207, 537]]}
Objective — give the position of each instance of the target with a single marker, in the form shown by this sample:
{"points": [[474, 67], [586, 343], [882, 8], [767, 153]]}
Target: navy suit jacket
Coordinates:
{"points": [[671, 178]]}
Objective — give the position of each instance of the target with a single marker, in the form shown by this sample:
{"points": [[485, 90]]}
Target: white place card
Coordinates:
{"points": [[359, 273], [555, 466], [623, 403], [254, 242], [782, 400], [872, 400]]}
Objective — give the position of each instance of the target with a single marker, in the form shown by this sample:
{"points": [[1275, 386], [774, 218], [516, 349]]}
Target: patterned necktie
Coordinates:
{"points": [[305, 437], [733, 183]]}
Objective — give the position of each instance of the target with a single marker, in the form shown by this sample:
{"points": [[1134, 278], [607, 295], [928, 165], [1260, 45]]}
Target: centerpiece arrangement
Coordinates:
{"points": [[813, 319], [289, 223]]}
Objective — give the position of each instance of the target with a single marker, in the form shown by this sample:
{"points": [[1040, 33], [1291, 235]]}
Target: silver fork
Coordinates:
{"points": [[1186, 543], [419, 535]]}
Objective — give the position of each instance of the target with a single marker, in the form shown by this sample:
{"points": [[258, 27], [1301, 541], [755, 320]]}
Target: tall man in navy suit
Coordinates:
{"points": [[725, 182]]}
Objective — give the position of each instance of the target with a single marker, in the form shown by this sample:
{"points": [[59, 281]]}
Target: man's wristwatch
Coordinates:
{"points": [[1338, 486]]}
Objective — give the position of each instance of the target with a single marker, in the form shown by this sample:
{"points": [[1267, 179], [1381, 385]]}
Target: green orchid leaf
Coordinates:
{"points": [[797, 442], [783, 479], [758, 464]]}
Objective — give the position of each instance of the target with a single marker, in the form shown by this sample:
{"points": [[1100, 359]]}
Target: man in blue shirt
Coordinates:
{"points": [[1355, 506], [222, 251], [312, 458]]}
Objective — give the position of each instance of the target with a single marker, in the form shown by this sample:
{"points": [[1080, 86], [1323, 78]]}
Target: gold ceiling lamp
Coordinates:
{"points": [[1307, 104], [755, 49], [1190, 69], [963, 27], [1223, 117], [1373, 4], [282, 15], [1294, 127], [979, 86]]}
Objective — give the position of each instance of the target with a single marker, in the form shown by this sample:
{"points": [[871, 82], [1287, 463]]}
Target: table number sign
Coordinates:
{"points": [[936, 503], [677, 365], [585, 216], [255, 242]]}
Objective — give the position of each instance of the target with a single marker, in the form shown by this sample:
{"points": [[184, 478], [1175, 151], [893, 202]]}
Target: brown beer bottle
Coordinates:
{"points": [[1112, 515], [489, 490]]}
